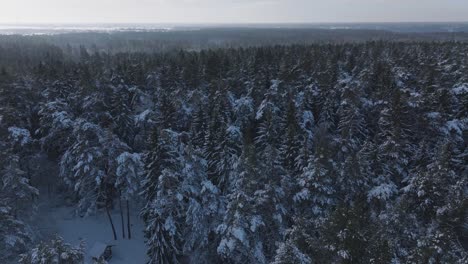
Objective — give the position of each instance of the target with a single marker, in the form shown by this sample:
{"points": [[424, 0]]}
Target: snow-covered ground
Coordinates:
{"points": [[59, 219]]}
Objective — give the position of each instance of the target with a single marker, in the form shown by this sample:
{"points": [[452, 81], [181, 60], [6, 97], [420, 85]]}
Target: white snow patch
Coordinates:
{"points": [[226, 245], [93, 229], [239, 233], [11, 240], [209, 186], [460, 89], [143, 116], [303, 195], [20, 135], [256, 222], [382, 192]]}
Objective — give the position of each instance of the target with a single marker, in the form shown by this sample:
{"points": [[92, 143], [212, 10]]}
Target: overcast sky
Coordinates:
{"points": [[230, 11]]}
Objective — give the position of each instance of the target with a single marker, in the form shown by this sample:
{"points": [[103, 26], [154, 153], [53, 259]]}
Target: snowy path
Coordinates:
{"points": [[60, 220]]}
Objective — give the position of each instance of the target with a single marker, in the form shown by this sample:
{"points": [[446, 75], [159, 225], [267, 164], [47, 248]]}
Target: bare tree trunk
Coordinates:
{"points": [[121, 216], [128, 221], [112, 223]]}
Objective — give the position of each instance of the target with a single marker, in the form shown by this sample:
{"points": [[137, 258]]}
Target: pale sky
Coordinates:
{"points": [[231, 11]]}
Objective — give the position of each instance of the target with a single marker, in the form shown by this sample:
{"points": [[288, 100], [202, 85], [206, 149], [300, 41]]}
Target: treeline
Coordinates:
{"points": [[25, 49], [325, 153]]}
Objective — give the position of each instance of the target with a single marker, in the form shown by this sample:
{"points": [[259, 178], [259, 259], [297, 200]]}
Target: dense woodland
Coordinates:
{"points": [[314, 153]]}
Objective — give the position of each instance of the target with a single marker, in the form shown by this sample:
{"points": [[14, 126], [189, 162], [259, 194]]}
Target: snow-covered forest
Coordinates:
{"points": [[332, 152]]}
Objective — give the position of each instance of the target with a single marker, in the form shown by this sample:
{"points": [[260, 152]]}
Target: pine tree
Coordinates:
{"points": [[307, 129], [288, 253], [129, 174], [56, 127], [352, 180], [394, 148], [121, 112], [291, 144], [203, 209], [89, 166], [217, 148], [54, 252], [436, 194], [15, 185], [276, 162], [241, 228], [316, 184], [15, 236], [164, 208]]}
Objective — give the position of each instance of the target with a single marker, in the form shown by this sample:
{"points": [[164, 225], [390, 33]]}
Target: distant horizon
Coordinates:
{"points": [[58, 28]]}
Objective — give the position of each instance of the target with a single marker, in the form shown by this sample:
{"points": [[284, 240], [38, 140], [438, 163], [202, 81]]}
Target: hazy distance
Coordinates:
{"points": [[231, 11]]}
